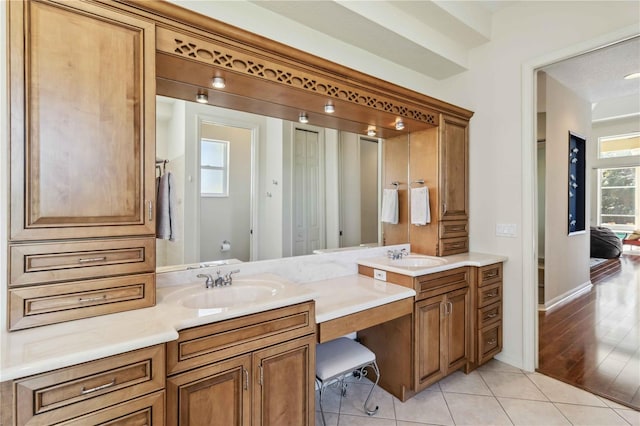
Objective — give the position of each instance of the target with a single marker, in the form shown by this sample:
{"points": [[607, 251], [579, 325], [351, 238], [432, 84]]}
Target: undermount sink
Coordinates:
{"points": [[416, 261], [226, 297]]}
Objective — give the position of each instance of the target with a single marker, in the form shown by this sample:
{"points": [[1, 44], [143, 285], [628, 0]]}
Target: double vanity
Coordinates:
{"points": [[247, 350]]}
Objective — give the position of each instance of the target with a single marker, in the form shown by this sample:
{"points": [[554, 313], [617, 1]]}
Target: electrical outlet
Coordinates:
{"points": [[380, 275]]}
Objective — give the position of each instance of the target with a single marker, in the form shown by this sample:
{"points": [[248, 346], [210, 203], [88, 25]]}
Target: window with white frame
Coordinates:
{"points": [[619, 198], [619, 146], [214, 168]]}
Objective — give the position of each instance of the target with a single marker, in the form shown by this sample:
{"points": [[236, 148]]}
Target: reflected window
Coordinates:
{"points": [[619, 198], [214, 168]]}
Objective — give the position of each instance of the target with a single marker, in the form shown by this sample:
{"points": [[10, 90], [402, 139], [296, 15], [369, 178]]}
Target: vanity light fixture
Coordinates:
{"points": [[303, 118], [202, 98], [218, 83], [399, 124], [329, 108], [371, 131], [632, 76]]}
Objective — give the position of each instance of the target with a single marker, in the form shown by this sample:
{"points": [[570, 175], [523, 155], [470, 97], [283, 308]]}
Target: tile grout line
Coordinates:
{"points": [[495, 397]]}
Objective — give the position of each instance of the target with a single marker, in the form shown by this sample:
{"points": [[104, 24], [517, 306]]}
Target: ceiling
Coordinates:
{"points": [[436, 36]]}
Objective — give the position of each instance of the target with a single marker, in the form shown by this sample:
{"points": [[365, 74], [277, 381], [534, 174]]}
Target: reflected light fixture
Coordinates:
{"points": [[329, 108], [303, 118], [371, 131], [632, 75], [399, 124], [218, 83], [202, 98]]}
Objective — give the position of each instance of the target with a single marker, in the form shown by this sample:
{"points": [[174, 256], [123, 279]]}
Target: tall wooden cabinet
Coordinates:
{"points": [[82, 107], [438, 159]]}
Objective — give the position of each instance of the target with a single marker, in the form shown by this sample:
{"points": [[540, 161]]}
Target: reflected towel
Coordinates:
{"points": [[420, 213], [390, 206], [166, 223]]}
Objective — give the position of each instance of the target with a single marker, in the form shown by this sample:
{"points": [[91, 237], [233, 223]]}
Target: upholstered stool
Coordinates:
{"points": [[336, 358]]}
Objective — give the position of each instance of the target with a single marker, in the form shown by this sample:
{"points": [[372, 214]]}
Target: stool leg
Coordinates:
{"points": [[321, 385], [374, 365]]}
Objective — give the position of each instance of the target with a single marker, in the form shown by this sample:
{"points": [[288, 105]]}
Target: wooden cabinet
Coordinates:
{"points": [[486, 337], [433, 340], [129, 385], [82, 139], [254, 370], [441, 336], [439, 158]]}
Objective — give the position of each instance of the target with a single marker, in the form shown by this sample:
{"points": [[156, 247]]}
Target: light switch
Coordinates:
{"points": [[507, 230]]}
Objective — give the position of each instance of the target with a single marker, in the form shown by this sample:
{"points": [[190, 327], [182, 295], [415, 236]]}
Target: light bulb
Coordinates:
{"points": [[218, 83], [202, 98], [329, 108], [303, 118]]}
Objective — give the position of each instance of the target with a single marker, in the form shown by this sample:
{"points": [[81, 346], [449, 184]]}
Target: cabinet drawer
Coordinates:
{"points": [[441, 282], [450, 246], [48, 304], [489, 342], [454, 228], [56, 262], [145, 411], [74, 391], [489, 294], [490, 314], [489, 274], [214, 342]]}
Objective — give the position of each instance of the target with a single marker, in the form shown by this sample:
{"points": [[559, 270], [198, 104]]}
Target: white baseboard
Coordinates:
{"points": [[566, 297], [512, 361]]}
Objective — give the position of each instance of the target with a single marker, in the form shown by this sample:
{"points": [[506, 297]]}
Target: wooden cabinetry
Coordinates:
{"points": [[439, 157], [486, 339], [82, 138], [125, 386], [433, 340], [255, 370]]}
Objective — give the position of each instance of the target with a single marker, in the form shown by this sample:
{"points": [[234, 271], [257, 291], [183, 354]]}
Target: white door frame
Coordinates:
{"points": [[529, 187], [229, 121]]}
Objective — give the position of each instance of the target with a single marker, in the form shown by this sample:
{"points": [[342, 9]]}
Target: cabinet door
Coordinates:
{"points": [[430, 344], [82, 121], [453, 161], [216, 394], [457, 323], [283, 392]]}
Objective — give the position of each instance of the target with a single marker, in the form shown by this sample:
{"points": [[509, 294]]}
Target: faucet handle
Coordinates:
{"points": [[209, 282], [228, 279]]}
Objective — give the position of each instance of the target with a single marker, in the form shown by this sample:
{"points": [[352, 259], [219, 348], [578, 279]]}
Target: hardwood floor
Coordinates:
{"points": [[593, 342]]}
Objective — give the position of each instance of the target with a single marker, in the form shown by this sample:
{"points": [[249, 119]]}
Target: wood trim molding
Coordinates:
{"points": [[216, 43]]}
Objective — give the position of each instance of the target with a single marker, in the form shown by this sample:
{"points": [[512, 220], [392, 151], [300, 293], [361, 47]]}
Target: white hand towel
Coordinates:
{"points": [[166, 226], [420, 212], [390, 206]]}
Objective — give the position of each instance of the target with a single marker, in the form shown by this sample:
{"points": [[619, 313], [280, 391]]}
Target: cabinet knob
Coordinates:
{"points": [[491, 342]]}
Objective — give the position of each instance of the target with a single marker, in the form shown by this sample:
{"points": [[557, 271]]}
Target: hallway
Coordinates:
{"points": [[593, 342]]}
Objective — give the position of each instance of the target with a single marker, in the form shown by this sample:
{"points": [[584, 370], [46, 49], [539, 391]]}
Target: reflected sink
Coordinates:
{"points": [[226, 297], [417, 261]]}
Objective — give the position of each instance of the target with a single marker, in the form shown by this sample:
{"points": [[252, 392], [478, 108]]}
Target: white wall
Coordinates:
{"points": [[494, 88], [350, 189], [4, 170], [271, 181], [566, 256]]}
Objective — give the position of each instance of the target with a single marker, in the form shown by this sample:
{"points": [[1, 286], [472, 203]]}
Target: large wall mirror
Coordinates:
{"points": [[251, 187]]}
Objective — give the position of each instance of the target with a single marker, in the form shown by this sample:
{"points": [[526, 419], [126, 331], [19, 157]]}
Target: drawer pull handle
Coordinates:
{"points": [[92, 299], [92, 259], [491, 275], [488, 295], [491, 342], [493, 315], [246, 379], [84, 391]]}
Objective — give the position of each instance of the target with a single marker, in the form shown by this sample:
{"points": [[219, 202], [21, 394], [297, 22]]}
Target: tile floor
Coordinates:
{"points": [[494, 394]]}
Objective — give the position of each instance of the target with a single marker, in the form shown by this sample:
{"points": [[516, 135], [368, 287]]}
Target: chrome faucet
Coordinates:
{"points": [[397, 254], [209, 282], [220, 280]]}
